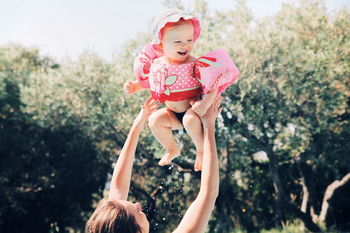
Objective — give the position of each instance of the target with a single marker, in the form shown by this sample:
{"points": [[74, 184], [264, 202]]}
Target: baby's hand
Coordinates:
{"points": [[130, 87], [199, 107]]}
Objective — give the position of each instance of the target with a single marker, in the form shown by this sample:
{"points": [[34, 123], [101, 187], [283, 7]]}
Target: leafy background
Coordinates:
{"points": [[283, 137]]}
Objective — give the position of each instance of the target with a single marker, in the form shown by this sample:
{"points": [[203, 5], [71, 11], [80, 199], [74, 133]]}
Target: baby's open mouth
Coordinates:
{"points": [[182, 53]]}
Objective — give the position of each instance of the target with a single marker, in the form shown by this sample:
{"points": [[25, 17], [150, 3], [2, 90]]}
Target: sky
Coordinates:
{"points": [[68, 27]]}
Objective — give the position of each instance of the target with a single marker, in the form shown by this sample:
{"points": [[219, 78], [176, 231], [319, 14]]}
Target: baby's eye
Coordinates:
{"points": [[177, 42], [189, 40]]}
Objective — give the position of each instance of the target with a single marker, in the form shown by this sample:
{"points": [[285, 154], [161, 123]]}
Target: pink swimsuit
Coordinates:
{"points": [[173, 82], [169, 82]]}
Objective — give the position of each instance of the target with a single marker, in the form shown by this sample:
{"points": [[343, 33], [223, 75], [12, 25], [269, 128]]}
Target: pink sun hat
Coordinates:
{"points": [[172, 16]]}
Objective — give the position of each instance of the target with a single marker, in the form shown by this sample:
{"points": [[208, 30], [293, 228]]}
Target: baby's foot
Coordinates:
{"points": [[169, 156], [198, 162]]}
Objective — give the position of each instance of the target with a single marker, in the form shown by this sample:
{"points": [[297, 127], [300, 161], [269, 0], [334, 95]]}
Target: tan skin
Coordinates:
{"points": [[197, 216], [121, 177], [177, 44]]}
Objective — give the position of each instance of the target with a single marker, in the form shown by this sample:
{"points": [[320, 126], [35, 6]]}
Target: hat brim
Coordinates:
{"points": [[175, 18]]}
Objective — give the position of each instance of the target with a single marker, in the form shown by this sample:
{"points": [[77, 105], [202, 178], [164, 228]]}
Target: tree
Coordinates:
{"points": [[48, 175], [282, 139], [290, 100]]}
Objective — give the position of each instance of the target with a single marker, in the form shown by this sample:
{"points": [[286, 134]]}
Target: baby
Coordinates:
{"points": [[178, 79]]}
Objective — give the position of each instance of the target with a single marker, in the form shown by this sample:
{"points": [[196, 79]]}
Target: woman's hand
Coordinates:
{"points": [[198, 214], [120, 183], [213, 112], [149, 107]]}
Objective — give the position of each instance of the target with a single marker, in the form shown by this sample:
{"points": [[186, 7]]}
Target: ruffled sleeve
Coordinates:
{"points": [[216, 69], [143, 62]]}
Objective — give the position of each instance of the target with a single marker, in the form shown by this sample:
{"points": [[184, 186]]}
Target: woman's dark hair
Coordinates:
{"points": [[111, 217]]}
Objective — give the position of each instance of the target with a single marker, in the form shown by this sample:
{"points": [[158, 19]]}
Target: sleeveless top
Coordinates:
{"points": [[169, 82], [173, 82]]}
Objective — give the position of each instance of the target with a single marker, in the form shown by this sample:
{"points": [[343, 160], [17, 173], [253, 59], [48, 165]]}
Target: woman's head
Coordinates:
{"points": [[116, 217]]}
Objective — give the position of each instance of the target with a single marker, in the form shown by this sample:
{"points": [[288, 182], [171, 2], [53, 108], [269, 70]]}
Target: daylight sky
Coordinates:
{"points": [[68, 27]]}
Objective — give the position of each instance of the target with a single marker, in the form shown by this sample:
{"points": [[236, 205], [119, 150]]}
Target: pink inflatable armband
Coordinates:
{"points": [[143, 62], [215, 69]]}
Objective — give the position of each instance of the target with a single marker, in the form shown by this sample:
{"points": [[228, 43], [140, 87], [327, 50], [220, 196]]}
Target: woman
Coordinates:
{"points": [[117, 215]]}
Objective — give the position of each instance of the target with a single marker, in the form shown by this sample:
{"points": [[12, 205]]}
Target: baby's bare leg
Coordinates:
{"points": [[162, 122], [193, 126]]}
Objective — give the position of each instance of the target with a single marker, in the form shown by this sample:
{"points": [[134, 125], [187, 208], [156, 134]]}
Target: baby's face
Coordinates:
{"points": [[177, 43]]}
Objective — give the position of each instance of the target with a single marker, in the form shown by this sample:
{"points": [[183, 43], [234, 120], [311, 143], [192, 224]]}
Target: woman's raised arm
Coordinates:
{"points": [[198, 214], [122, 171]]}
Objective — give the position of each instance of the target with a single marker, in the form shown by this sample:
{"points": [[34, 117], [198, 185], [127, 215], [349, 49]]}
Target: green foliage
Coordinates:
{"points": [[286, 121], [48, 175], [289, 227]]}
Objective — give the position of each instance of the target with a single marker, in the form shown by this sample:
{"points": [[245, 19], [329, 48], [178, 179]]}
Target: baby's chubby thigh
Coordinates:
{"points": [[164, 118], [191, 121]]}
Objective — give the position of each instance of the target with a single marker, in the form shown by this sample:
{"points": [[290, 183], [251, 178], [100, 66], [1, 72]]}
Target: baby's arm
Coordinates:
{"points": [[200, 107], [132, 86]]}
